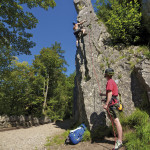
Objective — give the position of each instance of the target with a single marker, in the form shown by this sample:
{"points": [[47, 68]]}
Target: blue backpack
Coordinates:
{"points": [[75, 136]]}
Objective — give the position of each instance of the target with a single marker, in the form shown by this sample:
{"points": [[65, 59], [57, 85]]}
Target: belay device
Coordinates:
{"points": [[75, 136]]}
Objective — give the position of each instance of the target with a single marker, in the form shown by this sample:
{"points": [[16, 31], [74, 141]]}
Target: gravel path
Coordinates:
{"points": [[28, 139], [34, 138]]}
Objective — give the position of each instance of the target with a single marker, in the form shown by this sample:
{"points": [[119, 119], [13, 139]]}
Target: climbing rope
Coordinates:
{"points": [[93, 65], [99, 87]]}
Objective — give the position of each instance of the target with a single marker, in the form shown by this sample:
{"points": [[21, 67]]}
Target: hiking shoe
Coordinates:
{"points": [[117, 145]]}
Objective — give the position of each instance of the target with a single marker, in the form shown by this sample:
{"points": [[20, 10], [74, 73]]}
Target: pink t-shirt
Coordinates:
{"points": [[112, 86]]}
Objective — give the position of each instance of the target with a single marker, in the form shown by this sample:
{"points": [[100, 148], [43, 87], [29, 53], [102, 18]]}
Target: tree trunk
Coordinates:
{"points": [[45, 92]]}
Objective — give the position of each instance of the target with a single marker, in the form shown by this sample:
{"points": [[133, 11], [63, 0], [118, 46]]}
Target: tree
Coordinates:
{"points": [[50, 65], [42, 88], [14, 23], [61, 102], [15, 89], [69, 92], [6, 56]]}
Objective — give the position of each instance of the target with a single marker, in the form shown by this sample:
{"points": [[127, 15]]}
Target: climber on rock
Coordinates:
{"points": [[78, 29], [112, 104]]}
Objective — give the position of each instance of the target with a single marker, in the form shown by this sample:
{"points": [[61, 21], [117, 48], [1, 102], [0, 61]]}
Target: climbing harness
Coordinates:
{"points": [[99, 86]]}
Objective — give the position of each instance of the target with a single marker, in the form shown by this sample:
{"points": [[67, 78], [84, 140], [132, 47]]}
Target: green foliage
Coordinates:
{"points": [[145, 50], [17, 90], [121, 57], [86, 136], [132, 64], [139, 139], [122, 18], [80, 7], [29, 90], [6, 56], [138, 124], [58, 139], [147, 54], [119, 76], [15, 23], [102, 66], [137, 118]]}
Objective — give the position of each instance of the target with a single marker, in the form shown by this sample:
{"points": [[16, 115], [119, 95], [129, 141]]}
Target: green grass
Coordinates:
{"points": [[137, 130], [119, 76], [102, 66], [138, 118], [86, 136], [145, 50], [132, 64], [60, 139], [57, 139]]}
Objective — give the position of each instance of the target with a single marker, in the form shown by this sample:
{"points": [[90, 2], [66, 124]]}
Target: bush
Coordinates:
{"points": [[139, 139], [139, 136], [138, 118], [122, 18]]}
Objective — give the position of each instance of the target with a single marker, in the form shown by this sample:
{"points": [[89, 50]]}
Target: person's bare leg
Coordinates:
{"points": [[83, 31], [119, 129], [77, 42]]}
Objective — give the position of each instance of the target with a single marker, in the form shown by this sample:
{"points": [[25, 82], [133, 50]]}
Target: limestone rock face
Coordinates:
{"points": [[146, 13], [95, 54], [143, 74]]}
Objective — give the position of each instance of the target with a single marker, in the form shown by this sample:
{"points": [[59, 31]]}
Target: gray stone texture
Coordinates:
{"points": [[143, 74], [22, 121], [94, 54]]}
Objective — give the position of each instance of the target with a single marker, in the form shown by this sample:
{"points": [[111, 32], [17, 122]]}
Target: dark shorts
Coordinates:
{"points": [[113, 111], [76, 33]]}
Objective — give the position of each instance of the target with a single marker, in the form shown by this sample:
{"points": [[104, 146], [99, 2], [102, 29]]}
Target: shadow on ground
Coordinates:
{"points": [[66, 124]]}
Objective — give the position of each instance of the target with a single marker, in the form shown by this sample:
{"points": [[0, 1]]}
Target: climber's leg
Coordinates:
{"points": [[119, 129], [83, 32], [114, 114], [77, 43]]}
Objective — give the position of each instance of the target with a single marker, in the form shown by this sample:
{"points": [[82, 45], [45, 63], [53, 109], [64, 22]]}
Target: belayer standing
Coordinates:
{"points": [[78, 29], [112, 104]]}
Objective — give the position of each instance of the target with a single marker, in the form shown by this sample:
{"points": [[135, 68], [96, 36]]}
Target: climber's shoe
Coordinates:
{"points": [[118, 145]]}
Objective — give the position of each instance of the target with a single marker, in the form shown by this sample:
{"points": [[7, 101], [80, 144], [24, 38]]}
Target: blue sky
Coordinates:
{"points": [[54, 25]]}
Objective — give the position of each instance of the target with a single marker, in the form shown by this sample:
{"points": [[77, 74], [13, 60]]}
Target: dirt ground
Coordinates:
{"points": [[34, 138], [107, 144], [28, 139]]}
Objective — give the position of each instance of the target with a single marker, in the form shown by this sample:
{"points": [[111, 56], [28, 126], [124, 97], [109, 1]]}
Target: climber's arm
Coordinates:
{"points": [[81, 22], [109, 96]]}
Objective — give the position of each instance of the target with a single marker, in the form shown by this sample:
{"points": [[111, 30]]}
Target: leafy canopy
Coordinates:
{"points": [[14, 23], [22, 86], [123, 19]]}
